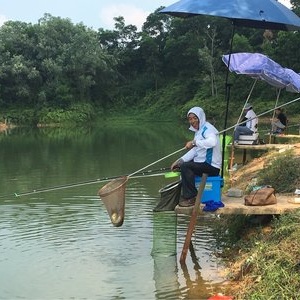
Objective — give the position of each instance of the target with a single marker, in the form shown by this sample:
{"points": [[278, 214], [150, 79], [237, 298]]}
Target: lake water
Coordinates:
{"points": [[60, 243]]}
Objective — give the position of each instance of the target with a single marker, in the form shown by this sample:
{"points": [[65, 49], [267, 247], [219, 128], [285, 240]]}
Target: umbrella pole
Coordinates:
{"points": [[273, 116], [225, 126], [193, 219], [238, 122], [227, 97]]}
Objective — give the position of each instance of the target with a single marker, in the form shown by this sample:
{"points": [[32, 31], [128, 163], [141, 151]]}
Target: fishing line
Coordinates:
{"points": [[138, 174], [155, 162], [259, 115], [294, 125]]}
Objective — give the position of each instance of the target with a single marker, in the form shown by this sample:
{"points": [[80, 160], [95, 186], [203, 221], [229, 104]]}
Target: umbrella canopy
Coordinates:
{"points": [[262, 67], [264, 14]]}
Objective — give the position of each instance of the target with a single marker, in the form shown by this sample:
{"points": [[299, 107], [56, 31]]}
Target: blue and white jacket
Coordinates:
{"points": [[207, 141]]}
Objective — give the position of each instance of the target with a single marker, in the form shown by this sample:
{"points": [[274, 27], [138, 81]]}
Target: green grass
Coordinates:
{"points": [[263, 258], [282, 172], [263, 252]]}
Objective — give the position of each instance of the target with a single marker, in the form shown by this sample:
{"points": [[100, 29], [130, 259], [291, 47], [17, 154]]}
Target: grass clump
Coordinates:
{"points": [[264, 263], [282, 172]]}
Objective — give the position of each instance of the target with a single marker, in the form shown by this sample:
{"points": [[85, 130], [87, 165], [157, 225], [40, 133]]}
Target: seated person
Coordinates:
{"points": [[279, 122], [249, 125], [204, 155]]}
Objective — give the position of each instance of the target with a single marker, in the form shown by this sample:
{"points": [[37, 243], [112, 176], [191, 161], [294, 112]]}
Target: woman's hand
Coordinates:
{"points": [[176, 164], [190, 144]]}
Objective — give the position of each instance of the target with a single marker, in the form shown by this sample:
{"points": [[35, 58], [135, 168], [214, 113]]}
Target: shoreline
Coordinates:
{"points": [[3, 127]]}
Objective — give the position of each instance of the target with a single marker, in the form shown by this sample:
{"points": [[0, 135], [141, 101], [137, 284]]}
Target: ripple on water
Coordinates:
{"points": [[72, 249]]}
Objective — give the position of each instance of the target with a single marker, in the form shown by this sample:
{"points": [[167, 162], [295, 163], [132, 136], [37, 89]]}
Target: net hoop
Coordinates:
{"points": [[113, 186], [113, 196]]}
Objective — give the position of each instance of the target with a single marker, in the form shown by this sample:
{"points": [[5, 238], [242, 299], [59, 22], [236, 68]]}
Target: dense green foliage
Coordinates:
{"points": [[56, 66]]}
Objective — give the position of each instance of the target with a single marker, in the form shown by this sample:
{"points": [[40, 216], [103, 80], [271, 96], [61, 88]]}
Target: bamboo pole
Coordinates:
{"points": [[193, 219]]}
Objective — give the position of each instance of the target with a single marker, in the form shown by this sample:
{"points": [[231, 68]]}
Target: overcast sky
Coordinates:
{"points": [[92, 13]]}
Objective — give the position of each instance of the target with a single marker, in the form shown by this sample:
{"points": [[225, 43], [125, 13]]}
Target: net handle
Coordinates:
{"points": [[155, 162]]}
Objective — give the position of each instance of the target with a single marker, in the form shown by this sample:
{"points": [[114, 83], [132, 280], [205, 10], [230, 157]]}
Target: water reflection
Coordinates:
{"points": [[164, 255], [188, 280], [194, 287], [62, 245]]}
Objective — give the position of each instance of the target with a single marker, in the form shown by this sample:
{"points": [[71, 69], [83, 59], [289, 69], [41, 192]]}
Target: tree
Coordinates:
{"points": [[76, 58], [151, 47], [19, 73], [52, 63]]}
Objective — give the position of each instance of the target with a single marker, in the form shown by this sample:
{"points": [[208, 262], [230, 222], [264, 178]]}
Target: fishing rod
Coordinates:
{"points": [[149, 173], [294, 125], [259, 115], [138, 173], [244, 122]]}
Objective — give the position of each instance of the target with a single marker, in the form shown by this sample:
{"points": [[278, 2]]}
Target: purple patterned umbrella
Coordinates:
{"points": [[261, 67]]}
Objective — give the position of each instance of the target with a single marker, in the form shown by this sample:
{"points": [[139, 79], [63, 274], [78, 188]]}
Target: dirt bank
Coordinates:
{"points": [[241, 178]]}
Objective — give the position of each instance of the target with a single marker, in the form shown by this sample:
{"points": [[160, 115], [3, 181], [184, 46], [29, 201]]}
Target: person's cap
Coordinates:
{"points": [[248, 106]]}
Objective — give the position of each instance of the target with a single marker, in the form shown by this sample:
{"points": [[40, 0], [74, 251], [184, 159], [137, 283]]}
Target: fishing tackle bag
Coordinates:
{"points": [[260, 197]]}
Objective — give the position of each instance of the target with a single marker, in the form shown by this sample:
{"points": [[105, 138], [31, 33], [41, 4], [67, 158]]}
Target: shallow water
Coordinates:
{"points": [[61, 244], [66, 248]]}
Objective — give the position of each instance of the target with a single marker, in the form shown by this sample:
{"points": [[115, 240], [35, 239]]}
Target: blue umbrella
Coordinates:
{"points": [[264, 14], [261, 67]]}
